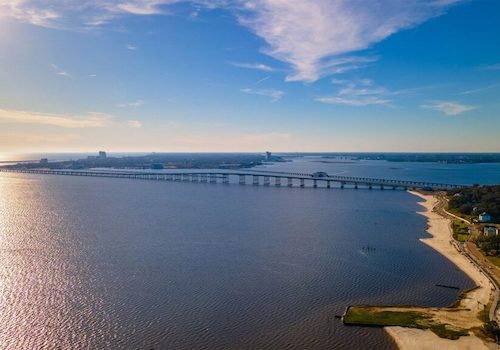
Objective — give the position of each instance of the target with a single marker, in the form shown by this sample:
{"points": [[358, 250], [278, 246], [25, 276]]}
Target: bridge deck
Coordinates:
{"points": [[195, 175]]}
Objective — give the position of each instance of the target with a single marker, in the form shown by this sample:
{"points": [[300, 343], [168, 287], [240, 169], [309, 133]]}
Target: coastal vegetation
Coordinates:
{"points": [[157, 161], [460, 230], [468, 202], [490, 245], [404, 316], [450, 158]]}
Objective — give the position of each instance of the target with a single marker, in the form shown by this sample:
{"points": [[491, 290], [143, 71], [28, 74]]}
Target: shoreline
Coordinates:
{"points": [[475, 300]]}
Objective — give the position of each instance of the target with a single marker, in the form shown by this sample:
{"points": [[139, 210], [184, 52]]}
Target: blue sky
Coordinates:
{"points": [[280, 75]]}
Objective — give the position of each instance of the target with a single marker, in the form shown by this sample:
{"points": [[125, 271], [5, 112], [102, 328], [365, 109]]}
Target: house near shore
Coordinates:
{"points": [[484, 217], [490, 231]]}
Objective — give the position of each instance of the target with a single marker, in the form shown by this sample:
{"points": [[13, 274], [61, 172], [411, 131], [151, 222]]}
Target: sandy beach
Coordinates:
{"points": [[474, 302]]}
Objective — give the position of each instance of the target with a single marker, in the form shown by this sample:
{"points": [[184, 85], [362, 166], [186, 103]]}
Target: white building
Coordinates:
{"points": [[490, 231], [484, 217]]}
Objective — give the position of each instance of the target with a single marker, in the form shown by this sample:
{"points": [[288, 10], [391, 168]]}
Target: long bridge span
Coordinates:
{"points": [[256, 177]]}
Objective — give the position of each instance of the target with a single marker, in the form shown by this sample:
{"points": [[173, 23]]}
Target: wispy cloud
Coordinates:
{"points": [[137, 103], [275, 95], [140, 7], [354, 100], [88, 120], [448, 107], [131, 47], [60, 71], [262, 80], [312, 36], [134, 124], [482, 89], [315, 37], [29, 12], [359, 93], [257, 66]]}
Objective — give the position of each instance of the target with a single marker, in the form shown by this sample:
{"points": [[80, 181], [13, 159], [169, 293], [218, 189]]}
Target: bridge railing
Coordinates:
{"points": [[302, 176]]}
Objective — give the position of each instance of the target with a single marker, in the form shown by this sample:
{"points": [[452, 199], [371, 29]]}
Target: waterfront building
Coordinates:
{"points": [[484, 217], [490, 231], [102, 154]]}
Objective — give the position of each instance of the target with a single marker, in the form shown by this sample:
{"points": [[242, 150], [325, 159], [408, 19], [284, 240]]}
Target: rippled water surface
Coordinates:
{"points": [[89, 263]]}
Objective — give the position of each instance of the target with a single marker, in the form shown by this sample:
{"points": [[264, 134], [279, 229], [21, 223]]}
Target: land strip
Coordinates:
{"points": [[428, 328]]}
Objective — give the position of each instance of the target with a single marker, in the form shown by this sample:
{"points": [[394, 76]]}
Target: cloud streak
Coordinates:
{"points": [[89, 120], [275, 95], [448, 107], [357, 94], [257, 66], [137, 103], [60, 71], [134, 124]]}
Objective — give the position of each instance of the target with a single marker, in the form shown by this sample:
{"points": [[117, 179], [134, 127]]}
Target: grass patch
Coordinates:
{"points": [[373, 316], [456, 212], [366, 316], [495, 260], [460, 230]]}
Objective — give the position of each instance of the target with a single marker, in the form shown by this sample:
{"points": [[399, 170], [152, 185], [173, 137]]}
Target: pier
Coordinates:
{"points": [[253, 177]]}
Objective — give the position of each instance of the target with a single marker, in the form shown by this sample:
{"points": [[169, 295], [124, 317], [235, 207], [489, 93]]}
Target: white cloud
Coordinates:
{"points": [[360, 93], [315, 37], [134, 124], [131, 47], [257, 66], [354, 100], [448, 107], [137, 103], [141, 7], [60, 71], [275, 95], [89, 120]]}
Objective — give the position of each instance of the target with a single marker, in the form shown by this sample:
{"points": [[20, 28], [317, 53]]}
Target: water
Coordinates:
{"points": [[460, 174], [88, 263]]}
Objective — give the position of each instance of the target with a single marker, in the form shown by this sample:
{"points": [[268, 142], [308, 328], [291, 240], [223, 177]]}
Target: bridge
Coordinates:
{"points": [[266, 178]]}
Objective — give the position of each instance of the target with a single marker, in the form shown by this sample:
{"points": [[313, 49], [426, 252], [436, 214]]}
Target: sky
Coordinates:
{"points": [[250, 75]]}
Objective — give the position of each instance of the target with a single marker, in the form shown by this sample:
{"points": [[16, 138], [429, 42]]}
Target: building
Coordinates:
{"points": [[268, 155], [102, 154], [490, 231], [484, 217], [44, 161], [157, 166]]}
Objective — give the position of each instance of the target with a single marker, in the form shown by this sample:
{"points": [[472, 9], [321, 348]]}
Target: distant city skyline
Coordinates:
{"points": [[244, 76]]}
